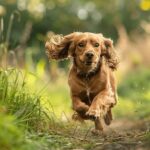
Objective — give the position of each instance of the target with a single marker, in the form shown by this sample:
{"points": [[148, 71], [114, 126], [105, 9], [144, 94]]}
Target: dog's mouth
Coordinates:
{"points": [[88, 63]]}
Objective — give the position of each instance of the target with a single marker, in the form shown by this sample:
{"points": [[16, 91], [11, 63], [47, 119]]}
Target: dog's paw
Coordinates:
{"points": [[97, 110], [77, 117], [98, 132]]}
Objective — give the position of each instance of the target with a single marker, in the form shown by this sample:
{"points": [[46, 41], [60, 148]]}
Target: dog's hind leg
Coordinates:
{"points": [[108, 117], [98, 124]]}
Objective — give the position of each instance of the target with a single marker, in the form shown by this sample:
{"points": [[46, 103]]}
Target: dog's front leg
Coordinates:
{"points": [[101, 105], [80, 107], [101, 109]]}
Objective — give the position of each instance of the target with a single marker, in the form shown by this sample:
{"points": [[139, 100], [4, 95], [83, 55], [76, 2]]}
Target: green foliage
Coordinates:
{"points": [[10, 135], [135, 82], [134, 94], [25, 105]]}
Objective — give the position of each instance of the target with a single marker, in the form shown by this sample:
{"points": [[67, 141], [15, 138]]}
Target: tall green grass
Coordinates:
{"points": [[20, 101], [20, 111]]}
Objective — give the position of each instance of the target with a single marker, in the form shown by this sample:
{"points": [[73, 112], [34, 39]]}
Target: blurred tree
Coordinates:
{"points": [[65, 16]]}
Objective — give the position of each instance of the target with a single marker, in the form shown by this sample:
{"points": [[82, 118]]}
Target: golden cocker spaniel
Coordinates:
{"points": [[91, 78]]}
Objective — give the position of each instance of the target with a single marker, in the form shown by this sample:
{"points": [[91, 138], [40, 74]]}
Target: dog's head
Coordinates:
{"points": [[86, 49]]}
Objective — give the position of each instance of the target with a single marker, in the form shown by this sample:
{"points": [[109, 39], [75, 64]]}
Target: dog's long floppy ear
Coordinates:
{"points": [[110, 53], [58, 46]]}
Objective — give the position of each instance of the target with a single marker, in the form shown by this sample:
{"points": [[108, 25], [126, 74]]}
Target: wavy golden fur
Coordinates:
{"points": [[91, 78]]}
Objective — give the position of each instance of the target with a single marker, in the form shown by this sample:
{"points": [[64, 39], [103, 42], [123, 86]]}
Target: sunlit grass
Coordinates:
{"points": [[124, 108], [134, 101], [36, 111], [19, 100], [55, 94]]}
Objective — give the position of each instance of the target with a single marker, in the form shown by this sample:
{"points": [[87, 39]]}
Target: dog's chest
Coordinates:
{"points": [[90, 88], [93, 85], [86, 88]]}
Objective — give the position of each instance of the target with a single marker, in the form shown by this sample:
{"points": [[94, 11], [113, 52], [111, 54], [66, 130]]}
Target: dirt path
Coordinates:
{"points": [[120, 135], [123, 135]]}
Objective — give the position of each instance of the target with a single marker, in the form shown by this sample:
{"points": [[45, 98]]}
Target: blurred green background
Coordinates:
{"points": [[25, 69]]}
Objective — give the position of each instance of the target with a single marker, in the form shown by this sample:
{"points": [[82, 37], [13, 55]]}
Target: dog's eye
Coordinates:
{"points": [[81, 45], [96, 45]]}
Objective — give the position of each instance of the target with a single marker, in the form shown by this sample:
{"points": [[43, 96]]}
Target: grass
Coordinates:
{"points": [[21, 112], [40, 120], [25, 105], [134, 101]]}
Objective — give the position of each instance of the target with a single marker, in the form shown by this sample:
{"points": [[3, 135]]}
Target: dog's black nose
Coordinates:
{"points": [[89, 55]]}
